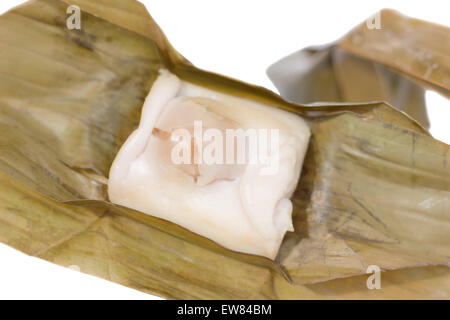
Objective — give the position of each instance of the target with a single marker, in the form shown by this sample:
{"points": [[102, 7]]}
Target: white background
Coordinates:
{"points": [[238, 38]]}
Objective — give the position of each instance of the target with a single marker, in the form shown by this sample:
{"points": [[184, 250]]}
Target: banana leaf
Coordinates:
{"points": [[375, 187], [396, 63]]}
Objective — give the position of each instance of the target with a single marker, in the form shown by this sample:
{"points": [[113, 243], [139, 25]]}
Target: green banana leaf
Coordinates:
{"points": [[375, 187], [395, 63], [414, 47]]}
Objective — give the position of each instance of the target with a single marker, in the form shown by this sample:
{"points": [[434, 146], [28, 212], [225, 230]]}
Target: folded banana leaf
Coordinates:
{"points": [[395, 63], [375, 187]]}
